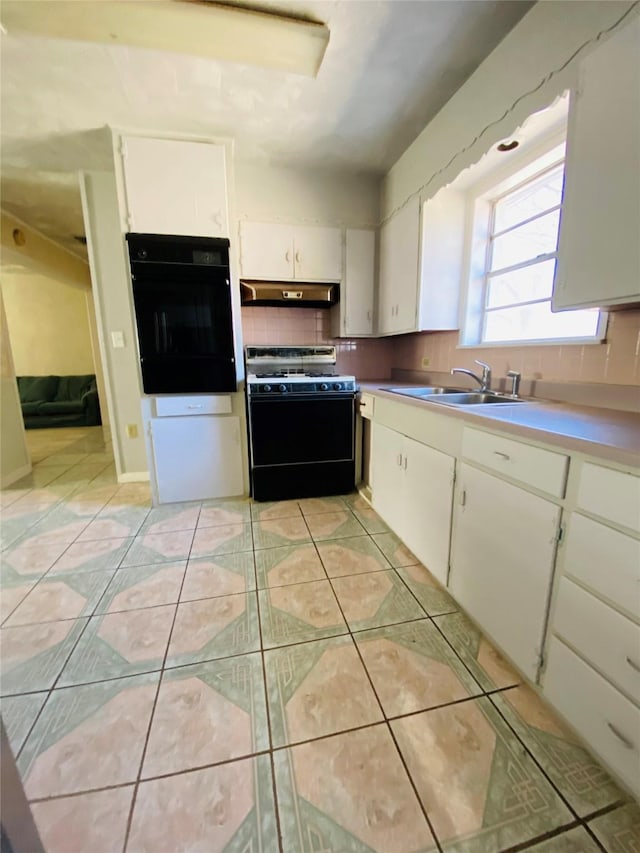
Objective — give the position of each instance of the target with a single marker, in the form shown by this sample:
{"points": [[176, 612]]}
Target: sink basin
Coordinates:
{"points": [[424, 391], [476, 398]]}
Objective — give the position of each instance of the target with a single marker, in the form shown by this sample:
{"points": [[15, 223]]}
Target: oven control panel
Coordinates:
{"points": [[327, 386]]}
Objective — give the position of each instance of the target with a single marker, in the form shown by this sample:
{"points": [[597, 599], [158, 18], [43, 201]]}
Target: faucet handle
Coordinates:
{"points": [[482, 364], [486, 374], [515, 380]]}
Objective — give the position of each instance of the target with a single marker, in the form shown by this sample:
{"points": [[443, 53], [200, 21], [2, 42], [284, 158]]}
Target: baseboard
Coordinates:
{"points": [[134, 477], [18, 474]]}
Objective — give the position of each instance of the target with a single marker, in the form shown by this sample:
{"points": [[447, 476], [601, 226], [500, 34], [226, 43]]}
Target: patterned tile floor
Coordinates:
{"points": [[236, 676]]}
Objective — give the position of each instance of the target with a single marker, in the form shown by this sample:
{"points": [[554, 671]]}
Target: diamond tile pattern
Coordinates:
{"points": [[276, 678]]}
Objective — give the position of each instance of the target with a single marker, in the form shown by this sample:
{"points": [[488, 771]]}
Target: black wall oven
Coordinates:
{"points": [[182, 299]]}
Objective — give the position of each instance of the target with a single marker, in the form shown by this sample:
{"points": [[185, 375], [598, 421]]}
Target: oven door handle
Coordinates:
{"points": [[297, 398]]}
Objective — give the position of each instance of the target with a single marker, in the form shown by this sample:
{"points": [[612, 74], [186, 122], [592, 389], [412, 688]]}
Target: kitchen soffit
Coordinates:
{"points": [[389, 67]]}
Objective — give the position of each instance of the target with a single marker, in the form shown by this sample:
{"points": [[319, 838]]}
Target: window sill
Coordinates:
{"points": [[556, 342]]}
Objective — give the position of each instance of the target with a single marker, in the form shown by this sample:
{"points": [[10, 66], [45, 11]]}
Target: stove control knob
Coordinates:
{"points": [[266, 388], [282, 388], [324, 386], [337, 386]]}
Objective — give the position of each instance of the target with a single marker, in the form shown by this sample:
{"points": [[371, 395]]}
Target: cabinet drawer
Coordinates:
{"points": [[366, 406], [167, 407], [541, 469], [608, 722], [614, 495], [613, 649], [605, 560]]}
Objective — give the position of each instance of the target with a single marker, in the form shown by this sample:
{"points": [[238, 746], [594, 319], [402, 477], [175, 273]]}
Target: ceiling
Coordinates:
{"points": [[389, 67]]}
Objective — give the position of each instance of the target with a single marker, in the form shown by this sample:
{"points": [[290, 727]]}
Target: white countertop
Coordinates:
{"points": [[607, 433]]}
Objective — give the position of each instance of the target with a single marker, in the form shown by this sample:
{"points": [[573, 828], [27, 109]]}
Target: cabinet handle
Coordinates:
{"points": [[633, 664], [287, 256], [502, 455], [629, 744], [297, 257], [405, 463], [217, 218], [463, 497], [399, 459], [368, 315], [194, 407]]}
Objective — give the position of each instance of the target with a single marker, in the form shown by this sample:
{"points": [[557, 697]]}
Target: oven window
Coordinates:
{"points": [[183, 313], [288, 431]]}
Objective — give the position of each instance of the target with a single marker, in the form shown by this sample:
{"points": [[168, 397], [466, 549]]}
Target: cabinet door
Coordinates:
{"points": [[399, 270], [428, 497], [356, 297], [175, 187], [266, 251], [441, 257], [318, 254], [197, 458], [386, 305], [387, 475], [503, 553], [598, 257]]}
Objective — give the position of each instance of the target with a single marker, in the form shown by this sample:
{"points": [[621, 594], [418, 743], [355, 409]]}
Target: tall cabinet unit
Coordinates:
{"points": [[598, 258], [174, 187]]}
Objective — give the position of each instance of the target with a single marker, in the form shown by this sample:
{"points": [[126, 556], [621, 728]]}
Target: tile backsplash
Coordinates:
{"points": [[616, 361], [366, 358]]}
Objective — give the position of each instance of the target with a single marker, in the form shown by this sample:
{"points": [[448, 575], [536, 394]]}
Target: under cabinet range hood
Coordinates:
{"points": [[291, 293]]}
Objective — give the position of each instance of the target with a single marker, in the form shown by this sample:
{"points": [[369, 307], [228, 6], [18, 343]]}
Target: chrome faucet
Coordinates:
{"points": [[484, 381]]}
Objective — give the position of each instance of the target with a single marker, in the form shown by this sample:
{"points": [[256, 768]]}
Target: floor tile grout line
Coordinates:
{"points": [[549, 835], [388, 725], [533, 757], [153, 709], [274, 787]]}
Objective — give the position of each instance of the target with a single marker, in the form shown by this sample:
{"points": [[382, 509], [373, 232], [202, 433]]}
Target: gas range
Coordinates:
{"points": [[295, 370]]}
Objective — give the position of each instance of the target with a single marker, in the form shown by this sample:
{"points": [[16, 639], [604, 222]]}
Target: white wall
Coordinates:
{"points": [[114, 311], [300, 196], [14, 456], [533, 64], [48, 324]]}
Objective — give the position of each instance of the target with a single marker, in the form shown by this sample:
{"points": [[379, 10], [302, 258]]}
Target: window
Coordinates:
{"points": [[516, 237]]}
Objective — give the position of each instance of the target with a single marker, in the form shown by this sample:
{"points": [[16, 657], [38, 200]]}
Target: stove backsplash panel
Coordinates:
{"points": [[365, 358]]}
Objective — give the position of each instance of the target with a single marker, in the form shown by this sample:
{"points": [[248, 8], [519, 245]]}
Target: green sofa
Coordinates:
{"points": [[59, 401]]}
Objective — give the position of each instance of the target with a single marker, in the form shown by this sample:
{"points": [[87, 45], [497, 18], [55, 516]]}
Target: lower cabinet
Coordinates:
{"points": [[412, 489], [502, 560], [607, 720], [197, 457]]}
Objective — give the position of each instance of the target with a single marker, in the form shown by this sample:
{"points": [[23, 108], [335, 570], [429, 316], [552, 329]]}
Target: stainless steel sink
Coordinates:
{"points": [[476, 398], [423, 391]]}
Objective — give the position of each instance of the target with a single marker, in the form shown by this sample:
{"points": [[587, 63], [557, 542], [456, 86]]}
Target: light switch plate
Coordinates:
{"points": [[117, 339]]}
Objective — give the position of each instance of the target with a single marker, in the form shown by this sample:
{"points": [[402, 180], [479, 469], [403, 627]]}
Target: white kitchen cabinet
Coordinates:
{"points": [[197, 457], [502, 560], [174, 187], [598, 258], [288, 253], [399, 255], [353, 316], [412, 490], [421, 255], [607, 720]]}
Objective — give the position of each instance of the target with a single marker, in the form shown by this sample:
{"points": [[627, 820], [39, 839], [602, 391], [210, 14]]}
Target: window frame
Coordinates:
{"points": [[481, 201]]}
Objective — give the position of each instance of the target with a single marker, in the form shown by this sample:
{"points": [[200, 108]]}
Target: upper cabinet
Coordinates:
{"points": [[421, 255], [353, 316], [174, 187], [288, 253], [598, 257]]}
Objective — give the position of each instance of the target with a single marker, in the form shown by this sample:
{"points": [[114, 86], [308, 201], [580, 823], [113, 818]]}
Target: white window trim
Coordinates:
{"points": [[480, 198]]}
